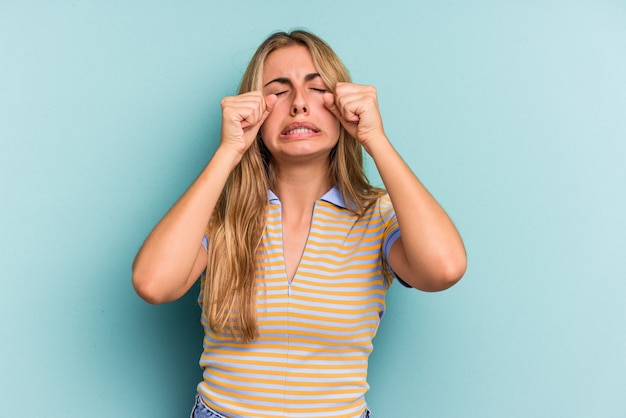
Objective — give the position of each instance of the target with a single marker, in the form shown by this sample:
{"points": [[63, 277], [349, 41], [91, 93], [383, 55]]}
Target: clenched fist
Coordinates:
{"points": [[242, 117], [356, 107]]}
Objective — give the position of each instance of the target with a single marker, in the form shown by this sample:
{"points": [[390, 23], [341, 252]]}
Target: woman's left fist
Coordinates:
{"points": [[356, 107]]}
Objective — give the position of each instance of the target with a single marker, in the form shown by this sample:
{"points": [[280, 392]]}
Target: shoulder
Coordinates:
{"points": [[383, 207]]}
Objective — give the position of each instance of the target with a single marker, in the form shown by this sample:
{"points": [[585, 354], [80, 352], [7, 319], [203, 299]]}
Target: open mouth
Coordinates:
{"points": [[300, 129]]}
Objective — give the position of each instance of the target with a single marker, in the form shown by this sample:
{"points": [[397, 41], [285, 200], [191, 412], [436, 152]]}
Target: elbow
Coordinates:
{"points": [[450, 273], [146, 286], [450, 269], [445, 275]]}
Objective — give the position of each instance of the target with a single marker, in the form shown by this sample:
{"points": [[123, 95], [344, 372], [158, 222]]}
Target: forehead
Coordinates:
{"points": [[293, 62]]}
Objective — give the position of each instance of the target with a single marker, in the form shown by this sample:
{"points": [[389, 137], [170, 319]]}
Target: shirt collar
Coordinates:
{"points": [[332, 196]]}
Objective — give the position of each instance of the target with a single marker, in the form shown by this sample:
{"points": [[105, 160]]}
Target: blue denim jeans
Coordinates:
{"points": [[200, 410]]}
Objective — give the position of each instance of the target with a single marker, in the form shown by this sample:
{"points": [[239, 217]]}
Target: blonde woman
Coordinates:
{"points": [[297, 247]]}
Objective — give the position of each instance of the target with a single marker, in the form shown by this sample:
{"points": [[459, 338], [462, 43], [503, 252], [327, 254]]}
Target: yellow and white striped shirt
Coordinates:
{"points": [[315, 332]]}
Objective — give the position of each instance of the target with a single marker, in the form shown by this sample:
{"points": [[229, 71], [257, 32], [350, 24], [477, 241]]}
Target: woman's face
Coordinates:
{"points": [[299, 126]]}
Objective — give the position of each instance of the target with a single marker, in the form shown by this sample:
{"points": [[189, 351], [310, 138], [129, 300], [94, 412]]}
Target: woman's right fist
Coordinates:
{"points": [[242, 117]]}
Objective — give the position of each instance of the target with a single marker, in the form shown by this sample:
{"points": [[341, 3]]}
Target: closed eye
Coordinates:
{"points": [[319, 90], [280, 92]]}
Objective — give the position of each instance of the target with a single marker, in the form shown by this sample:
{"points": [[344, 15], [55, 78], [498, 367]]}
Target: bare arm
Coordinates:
{"points": [[430, 254], [172, 257]]}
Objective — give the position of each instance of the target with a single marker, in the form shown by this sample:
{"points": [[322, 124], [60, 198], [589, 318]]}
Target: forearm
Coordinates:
{"points": [[433, 255], [163, 267]]}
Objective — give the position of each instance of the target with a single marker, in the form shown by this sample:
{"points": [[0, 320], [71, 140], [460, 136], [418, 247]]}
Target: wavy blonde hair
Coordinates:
{"points": [[236, 229]]}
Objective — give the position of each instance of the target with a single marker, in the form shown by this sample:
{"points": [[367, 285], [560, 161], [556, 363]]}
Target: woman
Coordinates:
{"points": [[297, 246]]}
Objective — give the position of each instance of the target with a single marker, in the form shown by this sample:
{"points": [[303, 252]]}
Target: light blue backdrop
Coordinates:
{"points": [[512, 113]]}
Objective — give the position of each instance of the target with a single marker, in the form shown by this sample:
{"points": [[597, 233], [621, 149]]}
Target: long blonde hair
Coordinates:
{"points": [[236, 229]]}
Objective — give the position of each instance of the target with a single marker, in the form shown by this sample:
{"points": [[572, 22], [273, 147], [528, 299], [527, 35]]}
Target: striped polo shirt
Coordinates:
{"points": [[315, 332]]}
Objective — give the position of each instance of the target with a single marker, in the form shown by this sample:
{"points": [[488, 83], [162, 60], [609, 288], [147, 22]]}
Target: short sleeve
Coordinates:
{"points": [[205, 244], [391, 233]]}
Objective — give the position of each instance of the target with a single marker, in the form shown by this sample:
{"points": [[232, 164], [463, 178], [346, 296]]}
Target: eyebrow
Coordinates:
{"points": [[285, 80]]}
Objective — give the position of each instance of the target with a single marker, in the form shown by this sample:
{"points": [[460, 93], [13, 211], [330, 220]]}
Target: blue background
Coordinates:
{"points": [[513, 114]]}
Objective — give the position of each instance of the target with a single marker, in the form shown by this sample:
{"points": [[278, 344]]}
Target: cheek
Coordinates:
{"points": [[315, 99], [333, 123], [270, 126]]}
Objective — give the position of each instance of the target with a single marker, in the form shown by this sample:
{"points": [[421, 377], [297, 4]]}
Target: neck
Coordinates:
{"points": [[298, 187]]}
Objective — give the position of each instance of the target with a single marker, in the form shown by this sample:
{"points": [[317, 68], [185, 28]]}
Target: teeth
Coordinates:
{"points": [[300, 130]]}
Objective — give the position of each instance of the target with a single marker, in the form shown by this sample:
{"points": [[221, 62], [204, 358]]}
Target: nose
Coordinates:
{"points": [[299, 109], [299, 104]]}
